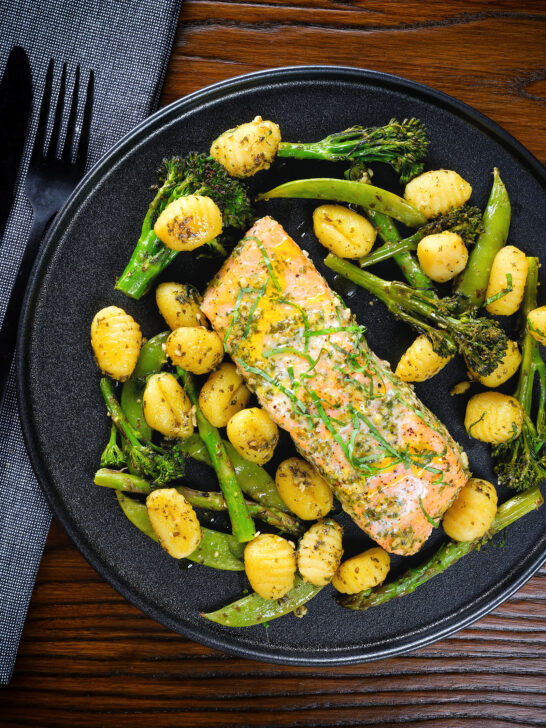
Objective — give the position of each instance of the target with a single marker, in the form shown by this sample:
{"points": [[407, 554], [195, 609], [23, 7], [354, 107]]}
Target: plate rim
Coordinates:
{"points": [[223, 641]]}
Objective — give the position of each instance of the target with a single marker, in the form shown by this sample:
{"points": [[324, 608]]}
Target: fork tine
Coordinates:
{"points": [[72, 117], [58, 118], [83, 144], [39, 140]]}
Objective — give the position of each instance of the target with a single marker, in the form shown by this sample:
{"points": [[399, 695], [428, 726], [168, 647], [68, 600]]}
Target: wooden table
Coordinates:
{"points": [[87, 657]]}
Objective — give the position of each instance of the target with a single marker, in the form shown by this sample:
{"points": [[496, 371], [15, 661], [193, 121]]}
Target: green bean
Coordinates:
{"points": [[217, 550], [152, 358], [213, 501], [241, 522], [342, 190], [254, 609], [496, 221]]}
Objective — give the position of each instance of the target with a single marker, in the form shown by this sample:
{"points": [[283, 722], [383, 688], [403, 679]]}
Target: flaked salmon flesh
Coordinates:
{"points": [[391, 463]]}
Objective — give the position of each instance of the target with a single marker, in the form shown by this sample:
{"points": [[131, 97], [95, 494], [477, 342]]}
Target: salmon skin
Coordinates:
{"points": [[391, 463]]}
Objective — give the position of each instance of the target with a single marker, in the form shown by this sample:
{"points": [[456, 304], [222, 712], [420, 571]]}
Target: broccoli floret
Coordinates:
{"points": [[194, 174]]}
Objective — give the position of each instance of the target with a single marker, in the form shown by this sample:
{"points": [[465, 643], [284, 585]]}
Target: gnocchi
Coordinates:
{"points": [[179, 305], [167, 407], [507, 367], [536, 324], [303, 490], [364, 571], [270, 565], [509, 261], [473, 511], [248, 148], [223, 395], [174, 522], [253, 434], [343, 231], [116, 340], [437, 191], [189, 222], [420, 362], [442, 256], [195, 348], [493, 417], [319, 552]]}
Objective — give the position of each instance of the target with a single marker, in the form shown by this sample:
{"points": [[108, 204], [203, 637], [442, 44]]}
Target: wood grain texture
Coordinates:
{"points": [[87, 657]]}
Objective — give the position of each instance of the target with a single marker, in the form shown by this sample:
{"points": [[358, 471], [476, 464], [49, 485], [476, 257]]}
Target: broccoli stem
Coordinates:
{"points": [[496, 221], [531, 360], [402, 145], [448, 554], [403, 258], [123, 481], [241, 522]]}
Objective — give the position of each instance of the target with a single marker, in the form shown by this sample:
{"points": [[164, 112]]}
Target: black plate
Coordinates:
{"points": [[64, 421]]}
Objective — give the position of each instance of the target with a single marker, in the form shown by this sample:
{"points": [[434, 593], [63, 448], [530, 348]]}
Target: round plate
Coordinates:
{"points": [[64, 419]]}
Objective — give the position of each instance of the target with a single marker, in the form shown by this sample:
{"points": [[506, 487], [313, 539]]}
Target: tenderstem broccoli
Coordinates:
{"points": [[521, 462], [195, 174], [159, 464], [466, 221], [480, 340], [402, 145]]}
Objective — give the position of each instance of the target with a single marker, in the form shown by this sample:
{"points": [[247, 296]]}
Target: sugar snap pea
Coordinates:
{"points": [[254, 609], [217, 550], [152, 358], [496, 222], [343, 190], [214, 501]]}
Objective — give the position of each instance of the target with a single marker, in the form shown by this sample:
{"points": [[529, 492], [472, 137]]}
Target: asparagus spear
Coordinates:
{"points": [[128, 483], [447, 554], [241, 522]]}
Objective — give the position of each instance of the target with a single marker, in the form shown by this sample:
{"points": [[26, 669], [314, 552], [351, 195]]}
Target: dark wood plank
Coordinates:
{"points": [[87, 657]]}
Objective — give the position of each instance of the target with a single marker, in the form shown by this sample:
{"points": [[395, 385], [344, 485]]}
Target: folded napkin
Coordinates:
{"points": [[127, 43]]}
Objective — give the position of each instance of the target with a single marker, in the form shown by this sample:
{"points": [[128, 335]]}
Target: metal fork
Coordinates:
{"points": [[52, 175]]}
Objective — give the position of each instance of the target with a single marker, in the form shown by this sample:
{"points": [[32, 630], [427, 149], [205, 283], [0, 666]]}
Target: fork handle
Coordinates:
{"points": [[8, 331]]}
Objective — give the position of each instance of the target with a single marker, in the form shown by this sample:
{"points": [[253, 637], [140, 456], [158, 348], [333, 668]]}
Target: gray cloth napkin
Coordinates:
{"points": [[127, 43]]}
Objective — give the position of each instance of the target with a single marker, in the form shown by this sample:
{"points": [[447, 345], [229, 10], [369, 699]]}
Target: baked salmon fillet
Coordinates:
{"points": [[390, 462]]}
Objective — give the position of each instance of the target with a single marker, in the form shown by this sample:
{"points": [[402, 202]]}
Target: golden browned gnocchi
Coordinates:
{"points": [[437, 191], [248, 148], [442, 256], [195, 348], [179, 305], [189, 222], [303, 490], [506, 368], [319, 552], [472, 513], [536, 324], [116, 340], [343, 231], [174, 522], [167, 407], [253, 434], [270, 565], [493, 417], [223, 395], [420, 362], [364, 571], [509, 261]]}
